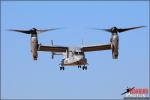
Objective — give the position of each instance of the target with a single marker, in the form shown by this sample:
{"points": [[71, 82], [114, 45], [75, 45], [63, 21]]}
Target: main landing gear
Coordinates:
{"points": [[62, 68], [79, 66], [83, 68]]}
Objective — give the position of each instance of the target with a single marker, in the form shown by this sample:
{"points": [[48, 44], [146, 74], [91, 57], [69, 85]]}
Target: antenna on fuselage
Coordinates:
{"points": [[82, 42]]}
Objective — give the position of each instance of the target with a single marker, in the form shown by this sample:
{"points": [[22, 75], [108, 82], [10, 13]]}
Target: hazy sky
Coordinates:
{"points": [[23, 78]]}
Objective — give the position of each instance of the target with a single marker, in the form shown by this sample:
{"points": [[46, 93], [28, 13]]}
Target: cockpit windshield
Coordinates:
{"points": [[78, 53]]}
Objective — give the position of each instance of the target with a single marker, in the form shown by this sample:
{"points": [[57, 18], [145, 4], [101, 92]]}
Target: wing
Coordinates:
{"points": [[96, 48], [52, 48]]}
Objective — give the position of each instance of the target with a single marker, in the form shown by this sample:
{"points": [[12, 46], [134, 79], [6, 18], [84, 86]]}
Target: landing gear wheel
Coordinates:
{"points": [[79, 66], [85, 67], [62, 68]]}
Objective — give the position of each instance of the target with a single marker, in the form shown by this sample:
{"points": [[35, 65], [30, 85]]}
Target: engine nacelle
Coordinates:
{"points": [[34, 47], [34, 54], [114, 45], [115, 52]]}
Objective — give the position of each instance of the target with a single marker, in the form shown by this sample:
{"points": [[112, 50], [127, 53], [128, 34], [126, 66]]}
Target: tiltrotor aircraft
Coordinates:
{"points": [[128, 90], [74, 56]]}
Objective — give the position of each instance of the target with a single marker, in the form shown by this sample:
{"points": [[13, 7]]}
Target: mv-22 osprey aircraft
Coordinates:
{"points": [[74, 56]]}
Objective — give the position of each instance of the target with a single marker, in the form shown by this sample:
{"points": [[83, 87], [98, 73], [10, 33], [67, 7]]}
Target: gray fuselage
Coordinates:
{"points": [[74, 57]]}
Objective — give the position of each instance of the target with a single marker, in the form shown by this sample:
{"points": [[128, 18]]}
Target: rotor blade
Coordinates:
{"points": [[127, 29], [22, 31], [108, 30], [45, 30]]}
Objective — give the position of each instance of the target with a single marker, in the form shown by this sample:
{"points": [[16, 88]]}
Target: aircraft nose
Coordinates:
{"points": [[79, 57]]}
